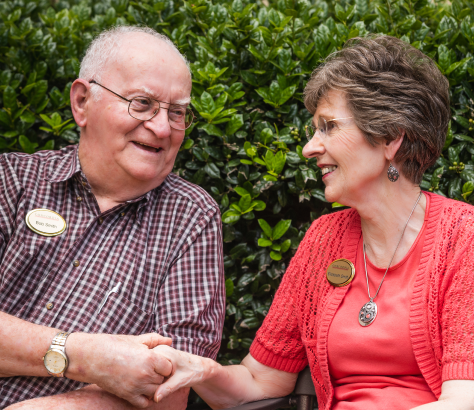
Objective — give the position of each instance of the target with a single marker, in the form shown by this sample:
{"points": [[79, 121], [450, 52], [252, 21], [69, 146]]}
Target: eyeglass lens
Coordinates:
{"points": [[144, 109], [322, 127]]}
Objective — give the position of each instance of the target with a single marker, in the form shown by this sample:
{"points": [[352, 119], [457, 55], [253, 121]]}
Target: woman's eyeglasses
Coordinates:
{"points": [[324, 127]]}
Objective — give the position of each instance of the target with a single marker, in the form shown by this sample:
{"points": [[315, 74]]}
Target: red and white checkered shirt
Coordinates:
{"points": [[164, 249]]}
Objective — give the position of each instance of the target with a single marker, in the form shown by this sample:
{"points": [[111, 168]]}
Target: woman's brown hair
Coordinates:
{"points": [[390, 87]]}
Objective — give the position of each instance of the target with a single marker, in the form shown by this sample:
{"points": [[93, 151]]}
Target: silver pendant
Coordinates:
{"points": [[367, 314]]}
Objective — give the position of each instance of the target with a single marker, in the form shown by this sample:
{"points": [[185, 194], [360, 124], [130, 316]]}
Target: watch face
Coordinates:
{"points": [[54, 362]]}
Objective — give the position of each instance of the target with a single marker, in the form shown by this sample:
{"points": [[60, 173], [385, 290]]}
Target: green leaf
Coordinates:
{"points": [[250, 323], [279, 162], [229, 287], [258, 205], [244, 203], [187, 144], [267, 230], [230, 216], [241, 191], [264, 242], [9, 99], [210, 129], [235, 123], [28, 146], [212, 170], [285, 246], [276, 256], [280, 229], [318, 194]]}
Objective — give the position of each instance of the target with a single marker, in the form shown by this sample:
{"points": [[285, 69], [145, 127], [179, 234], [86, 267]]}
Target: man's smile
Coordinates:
{"points": [[147, 147]]}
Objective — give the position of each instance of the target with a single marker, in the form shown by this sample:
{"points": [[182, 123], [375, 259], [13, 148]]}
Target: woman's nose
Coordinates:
{"points": [[314, 147]]}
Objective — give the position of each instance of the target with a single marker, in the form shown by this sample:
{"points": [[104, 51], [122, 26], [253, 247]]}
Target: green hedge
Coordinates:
{"points": [[250, 62]]}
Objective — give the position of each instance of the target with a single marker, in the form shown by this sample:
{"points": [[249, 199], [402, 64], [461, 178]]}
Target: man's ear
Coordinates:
{"points": [[80, 94], [392, 147]]}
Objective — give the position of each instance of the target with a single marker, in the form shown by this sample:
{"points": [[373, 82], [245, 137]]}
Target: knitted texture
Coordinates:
{"points": [[295, 331]]}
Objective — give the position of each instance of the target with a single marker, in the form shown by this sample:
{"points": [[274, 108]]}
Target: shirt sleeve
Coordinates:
{"points": [[457, 310], [278, 342], [10, 191], [191, 302]]}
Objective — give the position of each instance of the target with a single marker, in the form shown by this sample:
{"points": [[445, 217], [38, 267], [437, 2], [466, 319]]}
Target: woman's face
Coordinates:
{"points": [[352, 168]]}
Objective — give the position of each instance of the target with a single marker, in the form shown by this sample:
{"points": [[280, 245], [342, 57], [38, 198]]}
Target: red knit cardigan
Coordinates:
{"points": [[295, 330]]}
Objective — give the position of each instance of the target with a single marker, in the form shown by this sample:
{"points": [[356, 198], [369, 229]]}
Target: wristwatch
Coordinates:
{"points": [[55, 359]]}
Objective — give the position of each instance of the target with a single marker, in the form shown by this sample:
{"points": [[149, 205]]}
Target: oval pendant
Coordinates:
{"points": [[367, 313]]}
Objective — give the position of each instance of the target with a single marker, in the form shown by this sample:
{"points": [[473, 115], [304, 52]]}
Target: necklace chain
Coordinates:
{"points": [[390, 263]]}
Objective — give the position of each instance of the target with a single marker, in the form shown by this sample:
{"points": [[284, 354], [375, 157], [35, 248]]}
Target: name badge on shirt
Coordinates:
{"points": [[45, 222], [340, 272]]}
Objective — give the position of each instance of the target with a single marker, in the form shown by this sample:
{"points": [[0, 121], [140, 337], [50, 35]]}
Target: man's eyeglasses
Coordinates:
{"points": [[145, 108], [324, 127]]}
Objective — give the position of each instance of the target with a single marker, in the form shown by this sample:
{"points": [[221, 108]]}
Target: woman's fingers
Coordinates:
{"points": [[170, 386]]}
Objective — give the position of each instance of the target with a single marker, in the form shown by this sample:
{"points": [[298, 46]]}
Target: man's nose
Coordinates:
{"points": [[314, 147], [159, 124]]}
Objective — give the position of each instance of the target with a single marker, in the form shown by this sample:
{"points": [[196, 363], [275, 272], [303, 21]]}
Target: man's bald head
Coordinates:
{"points": [[107, 48]]}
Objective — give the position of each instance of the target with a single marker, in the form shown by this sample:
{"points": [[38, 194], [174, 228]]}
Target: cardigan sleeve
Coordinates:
{"points": [[278, 342], [457, 314]]}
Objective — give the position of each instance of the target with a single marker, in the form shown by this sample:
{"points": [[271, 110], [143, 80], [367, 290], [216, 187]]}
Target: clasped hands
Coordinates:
{"points": [[139, 369]]}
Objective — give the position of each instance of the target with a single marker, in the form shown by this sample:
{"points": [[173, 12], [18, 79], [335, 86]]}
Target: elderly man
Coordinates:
{"points": [[101, 242]]}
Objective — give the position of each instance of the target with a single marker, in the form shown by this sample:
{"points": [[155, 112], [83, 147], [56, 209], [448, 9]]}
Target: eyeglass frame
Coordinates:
{"points": [[153, 116], [315, 129]]}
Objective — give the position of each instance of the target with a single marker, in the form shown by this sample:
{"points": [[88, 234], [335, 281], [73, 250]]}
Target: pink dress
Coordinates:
{"points": [[374, 367]]}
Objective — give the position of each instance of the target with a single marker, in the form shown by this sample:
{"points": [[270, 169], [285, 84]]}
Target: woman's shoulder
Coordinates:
{"points": [[450, 216], [447, 208], [337, 227]]}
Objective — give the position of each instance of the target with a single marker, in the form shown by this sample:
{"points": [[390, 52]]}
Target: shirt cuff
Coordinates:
{"points": [[270, 359], [458, 371]]}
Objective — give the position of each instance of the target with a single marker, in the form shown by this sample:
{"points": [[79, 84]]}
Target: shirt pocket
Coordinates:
{"points": [[119, 315], [20, 276]]}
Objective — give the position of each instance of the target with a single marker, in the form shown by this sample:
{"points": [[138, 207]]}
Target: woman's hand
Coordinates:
{"points": [[188, 370], [223, 386]]}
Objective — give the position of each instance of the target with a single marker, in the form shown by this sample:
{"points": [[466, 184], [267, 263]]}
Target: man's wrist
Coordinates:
{"points": [[76, 346]]}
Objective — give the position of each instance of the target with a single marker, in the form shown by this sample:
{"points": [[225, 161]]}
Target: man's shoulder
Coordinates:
{"points": [[177, 186], [37, 164]]}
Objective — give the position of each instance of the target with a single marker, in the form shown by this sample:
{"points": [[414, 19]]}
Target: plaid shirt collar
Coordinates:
{"points": [[69, 166]]}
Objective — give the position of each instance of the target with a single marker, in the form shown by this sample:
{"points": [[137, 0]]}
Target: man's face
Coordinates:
{"points": [[120, 146]]}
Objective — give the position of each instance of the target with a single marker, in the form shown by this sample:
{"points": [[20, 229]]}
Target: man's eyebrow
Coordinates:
{"points": [[151, 94], [184, 101]]}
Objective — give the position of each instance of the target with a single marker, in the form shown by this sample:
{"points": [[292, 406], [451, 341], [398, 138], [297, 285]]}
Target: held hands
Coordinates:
{"points": [[125, 366], [188, 370]]}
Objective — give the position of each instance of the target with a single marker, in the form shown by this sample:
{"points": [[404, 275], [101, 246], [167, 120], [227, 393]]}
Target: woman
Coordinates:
{"points": [[400, 335]]}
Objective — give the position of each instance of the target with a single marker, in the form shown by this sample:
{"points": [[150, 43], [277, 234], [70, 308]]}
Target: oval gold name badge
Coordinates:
{"points": [[340, 272], [45, 222]]}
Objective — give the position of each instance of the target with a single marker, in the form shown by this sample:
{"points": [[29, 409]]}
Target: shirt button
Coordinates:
{"points": [[79, 198], [122, 214], [83, 183], [76, 263], [101, 221], [49, 305]]}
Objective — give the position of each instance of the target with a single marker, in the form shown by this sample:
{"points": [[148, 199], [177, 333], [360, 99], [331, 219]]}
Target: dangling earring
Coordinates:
{"points": [[392, 173]]}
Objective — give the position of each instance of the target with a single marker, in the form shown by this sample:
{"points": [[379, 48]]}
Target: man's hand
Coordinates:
{"points": [[122, 365]]}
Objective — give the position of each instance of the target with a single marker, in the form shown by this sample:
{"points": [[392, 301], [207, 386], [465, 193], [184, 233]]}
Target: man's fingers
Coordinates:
{"points": [[140, 402], [154, 339], [162, 365]]}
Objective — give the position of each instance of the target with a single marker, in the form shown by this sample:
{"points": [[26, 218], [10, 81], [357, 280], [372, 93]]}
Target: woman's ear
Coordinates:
{"points": [[80, 94], [392, 147]]}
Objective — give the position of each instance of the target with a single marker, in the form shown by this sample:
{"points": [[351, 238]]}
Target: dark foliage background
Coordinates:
{"points": [[250, 62]]}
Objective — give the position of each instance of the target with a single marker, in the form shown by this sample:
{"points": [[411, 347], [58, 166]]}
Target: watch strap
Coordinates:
{"points": [[59, 341]]}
